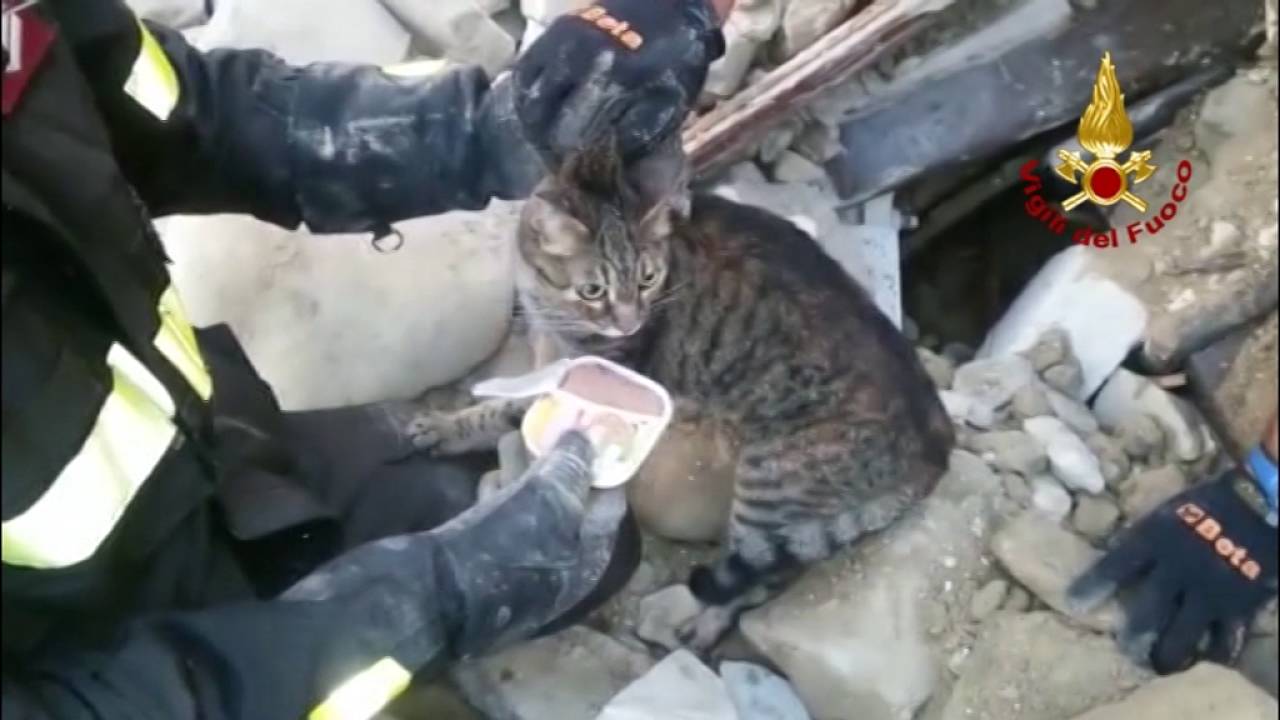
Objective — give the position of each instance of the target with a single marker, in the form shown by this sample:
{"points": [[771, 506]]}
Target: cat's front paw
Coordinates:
{"points": [[437, 433], [703, 631]]}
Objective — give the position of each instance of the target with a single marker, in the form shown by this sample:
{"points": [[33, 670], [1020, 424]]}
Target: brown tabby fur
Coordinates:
{"points": [[749, 322]]}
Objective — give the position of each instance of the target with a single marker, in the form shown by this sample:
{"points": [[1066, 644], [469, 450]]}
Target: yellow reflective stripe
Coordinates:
{"points": [[362, 695], [177, 342], [72, 518], [152, 82]]}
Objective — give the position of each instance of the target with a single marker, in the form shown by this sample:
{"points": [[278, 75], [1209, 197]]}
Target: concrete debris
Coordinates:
{"points": [[794, 167], [664, 612], [992, 382], [1050, 498], [1142, 436], [1017, 488], [989, 599], [1206, 690], [759, 694], [1111, 456], [458, 30], [1012, 451], [939, 369], [545, 11], [1072, 412], [1095, 517], [1067, 377], [1019, 600], [725, 76], [819, 141], [1031, 401], [1127, 394], [1069, 294], [1053, 347], [1150, 488], [1069, 457], [804, 21], [1045, 558], [568, 676], [679, 686], [1033, 666]]}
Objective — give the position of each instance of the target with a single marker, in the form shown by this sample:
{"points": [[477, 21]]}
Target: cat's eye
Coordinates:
{"points": [[591, 291], [649, 279]]}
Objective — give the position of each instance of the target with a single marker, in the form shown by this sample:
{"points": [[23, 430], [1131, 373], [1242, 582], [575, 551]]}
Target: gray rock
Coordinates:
{"points": [[726, 74], [759, 694], [1050, 498], [1017, 488], [983, 417], [1142, 436], [1095, 517], [1019, 600], [1205, 691], [679, 686], [1111, 458], [459, 30], [1148, 489], [777, 141], [1045, 558], [663, 612], [989, 599], [956, 404], [794, 167], [992, 382], [1073, 413], [939, 369], [1067, 378], [1012, 451], [643, 579], [1033, 666], [1053, 347], [1223, 237], [1126, 395], [819, 141], [1069, 457], [1030, 402], [569, 676], [804, 22]]}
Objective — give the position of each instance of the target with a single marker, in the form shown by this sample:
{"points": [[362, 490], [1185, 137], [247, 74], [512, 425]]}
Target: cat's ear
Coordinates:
{"points": [[658, 184], [597, 167], [556, 231]]}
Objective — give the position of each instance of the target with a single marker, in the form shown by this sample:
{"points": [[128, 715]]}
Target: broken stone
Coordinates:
{"points": [[1016, 487], [759, 694], [1095, 517], [939, 369], [853, 632], [726, 74], [992, 382], [1111, 458], [1070, 294], [1223, 236], [794, 167], [1073, 413], [1050, 498], [545, 11], [819, 141], [956, 405], [1148, 489], [1030, 401], [1052, 348], [458, 30], [1019, 600], [1205, 691], [777, 141], [1067, 378], [1126, 395], [989, 599], [679, 686], [1013, 451], [569, 676], [1032, 666], [1142, 436], [805, 21], [1069, 457], [1045, 559], [663, 612]]}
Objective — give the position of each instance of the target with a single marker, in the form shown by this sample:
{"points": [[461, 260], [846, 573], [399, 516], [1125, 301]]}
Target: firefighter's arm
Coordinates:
{"points": [[339, 147]]}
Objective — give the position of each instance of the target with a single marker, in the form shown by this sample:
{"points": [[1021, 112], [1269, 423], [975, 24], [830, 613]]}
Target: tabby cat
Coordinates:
{"points": [[745, 319]]}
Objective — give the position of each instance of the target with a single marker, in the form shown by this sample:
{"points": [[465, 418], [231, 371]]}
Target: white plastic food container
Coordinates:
{"points": [[621, 411]]}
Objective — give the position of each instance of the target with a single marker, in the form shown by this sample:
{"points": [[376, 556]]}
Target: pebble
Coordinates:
{"points": [[939, 369], [1095, 517], [992, 382], [1053, 347], [1073, 413], [791, 166], [663, 612], [1016, 488], [1031, 401], [1012, 451], [1111, 458], [1148, 489], [1018, 600], [1050, 498], [988, 599], [1206, 690], [1141, 436], [678, 686], [1069, 457], [1067, 378]]}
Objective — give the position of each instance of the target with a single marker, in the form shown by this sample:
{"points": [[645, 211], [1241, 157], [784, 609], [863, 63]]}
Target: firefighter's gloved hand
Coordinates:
{"points": [[633, 65], [1199, 567], [493, 575]]}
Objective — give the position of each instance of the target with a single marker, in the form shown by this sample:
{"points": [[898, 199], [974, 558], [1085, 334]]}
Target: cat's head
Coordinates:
{"points": [[594, 241]]}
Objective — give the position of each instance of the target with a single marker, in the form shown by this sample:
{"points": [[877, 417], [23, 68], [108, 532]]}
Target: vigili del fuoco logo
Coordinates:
{"points": [[1105, 133]]}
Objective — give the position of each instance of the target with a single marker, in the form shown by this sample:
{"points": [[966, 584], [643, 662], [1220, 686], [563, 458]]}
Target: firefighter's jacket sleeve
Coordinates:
{"points": [[339, 147]]}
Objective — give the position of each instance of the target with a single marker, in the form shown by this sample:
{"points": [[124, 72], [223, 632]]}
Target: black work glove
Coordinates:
{"points": [[1200, 565], [578, 79], [493, 575]]}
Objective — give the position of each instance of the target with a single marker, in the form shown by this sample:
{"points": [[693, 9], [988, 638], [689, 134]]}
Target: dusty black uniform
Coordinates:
{"points": [[148, 477]]}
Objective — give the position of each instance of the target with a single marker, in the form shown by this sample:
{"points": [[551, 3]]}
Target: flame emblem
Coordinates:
{"points": [[1105, 132]]}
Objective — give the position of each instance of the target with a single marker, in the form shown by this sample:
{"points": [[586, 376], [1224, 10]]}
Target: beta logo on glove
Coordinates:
{"points": [[1210, 530], [619, 29]]}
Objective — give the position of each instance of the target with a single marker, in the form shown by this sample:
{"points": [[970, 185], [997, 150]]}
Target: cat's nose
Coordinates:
{"points": [[627, 320]]}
